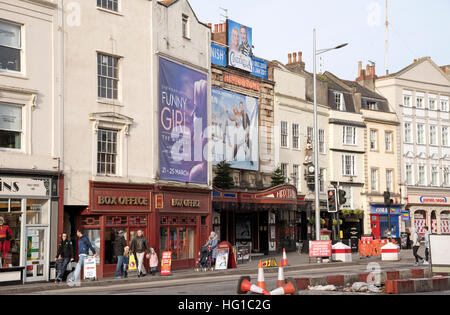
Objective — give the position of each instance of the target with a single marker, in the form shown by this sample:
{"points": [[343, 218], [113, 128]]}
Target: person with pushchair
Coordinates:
{"points": [[63, 257], [212, 243]]}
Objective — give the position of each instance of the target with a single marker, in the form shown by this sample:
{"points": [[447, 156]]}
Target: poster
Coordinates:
{"points": [[235, 130], [222, 259], [240, 51], [243, 228], [166, 263], [183, 96]]}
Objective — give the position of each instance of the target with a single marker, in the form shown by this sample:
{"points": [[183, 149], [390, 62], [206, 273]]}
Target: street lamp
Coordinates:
{"points": [[316, 135]]}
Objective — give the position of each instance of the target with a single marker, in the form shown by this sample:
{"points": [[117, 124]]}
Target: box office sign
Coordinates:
{"points": [[18, 186], [120, 200]]}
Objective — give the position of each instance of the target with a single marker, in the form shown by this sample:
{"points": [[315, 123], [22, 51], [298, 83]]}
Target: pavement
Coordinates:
{"points": [[296, 262]]}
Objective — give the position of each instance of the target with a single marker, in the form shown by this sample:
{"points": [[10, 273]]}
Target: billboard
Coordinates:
{"points": [[235, 129], [183, 95], [240, 51], [218, 55], [260, 68]]}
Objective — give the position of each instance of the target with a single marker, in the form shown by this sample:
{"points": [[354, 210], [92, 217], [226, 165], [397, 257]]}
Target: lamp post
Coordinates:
{"points": [[316, 135]]}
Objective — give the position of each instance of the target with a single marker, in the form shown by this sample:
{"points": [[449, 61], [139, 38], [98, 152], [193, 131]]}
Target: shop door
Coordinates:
{"points": [[375, 224], [181, 242], [37, 251]]}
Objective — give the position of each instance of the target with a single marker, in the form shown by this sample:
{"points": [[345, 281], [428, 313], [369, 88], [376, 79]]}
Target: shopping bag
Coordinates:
{"points": [[132, 264]]}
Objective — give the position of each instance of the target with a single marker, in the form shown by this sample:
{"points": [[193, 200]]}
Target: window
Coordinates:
{"points": [[408, 133], [11, 212], [374, 179], [433, 135], [284, 134], [420, 134], [295, 174], [108, 4], [10, 46], [10, 126], [348, 165], [295, 136], [372, 105], [322, 141], [434, 176], [310, 134], [349, 135], [185, 23], [444, 105], [421, 175], [407, 100], [107, 152], [388, 140], [432, 102], [445, 136], [340, 102], [389, 180], [446, 181], [373, 140], [284, 169], [322, 180], [419, 102], [108, 76], [409, 178]]}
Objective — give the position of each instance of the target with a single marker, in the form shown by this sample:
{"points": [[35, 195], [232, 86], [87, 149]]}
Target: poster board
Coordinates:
{"points": [[243, 253], [320, 249], [166, 263], [440, 253], [222, 259], [90, 268]]}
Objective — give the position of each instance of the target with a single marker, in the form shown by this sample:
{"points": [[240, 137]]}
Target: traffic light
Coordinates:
{"points": [[342, 199], [332, 200]]}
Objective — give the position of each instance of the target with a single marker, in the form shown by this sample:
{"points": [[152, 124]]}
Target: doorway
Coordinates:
{"points": [[37, 250]]}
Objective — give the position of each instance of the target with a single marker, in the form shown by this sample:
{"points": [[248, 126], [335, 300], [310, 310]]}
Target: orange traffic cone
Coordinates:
{"points": [[244, 286], [288, 289], [261, 282], [285, 263], [281, 280]]}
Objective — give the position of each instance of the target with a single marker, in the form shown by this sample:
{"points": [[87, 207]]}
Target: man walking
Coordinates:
{"points": [[83, 251], [119, 245], [139, 247], [427, 246], [416, 246]]}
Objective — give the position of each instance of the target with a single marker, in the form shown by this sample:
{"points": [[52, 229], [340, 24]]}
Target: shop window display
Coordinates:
{"points": [[10, 233], [37, 211]]}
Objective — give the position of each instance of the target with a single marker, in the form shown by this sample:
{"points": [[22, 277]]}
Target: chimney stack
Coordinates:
{"points": [[289, 59]]}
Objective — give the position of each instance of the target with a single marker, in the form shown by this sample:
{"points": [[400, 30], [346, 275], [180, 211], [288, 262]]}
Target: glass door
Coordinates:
{"points": [[36, 249]]}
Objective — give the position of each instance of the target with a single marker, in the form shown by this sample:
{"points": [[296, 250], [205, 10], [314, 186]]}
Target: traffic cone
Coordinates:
{"points": [[261, 282], [288, 289], [285, 263], [281, 280], [244, 286]]}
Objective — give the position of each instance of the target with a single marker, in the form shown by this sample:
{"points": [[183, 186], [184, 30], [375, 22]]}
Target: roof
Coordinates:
{"points": [[415, 63], [168, 3], [365, 92]]}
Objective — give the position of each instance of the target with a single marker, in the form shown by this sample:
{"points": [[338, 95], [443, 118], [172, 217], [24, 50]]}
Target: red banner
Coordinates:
{"points": [[166, 263], [320, 249]]}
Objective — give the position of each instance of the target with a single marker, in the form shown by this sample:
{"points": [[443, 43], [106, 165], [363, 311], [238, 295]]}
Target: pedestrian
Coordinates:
{"points": [[139, 247], [427, 246], [153, 261], [64, 256], [213, 243], [416, 246], [126, 261], [119, 245], [83, 251]]}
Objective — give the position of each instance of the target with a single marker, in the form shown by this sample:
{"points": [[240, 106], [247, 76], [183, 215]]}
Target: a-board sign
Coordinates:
{"points": [[222, 259], [90, 268], [320, 249], [166, 263], [269, 263], [440, 253]]}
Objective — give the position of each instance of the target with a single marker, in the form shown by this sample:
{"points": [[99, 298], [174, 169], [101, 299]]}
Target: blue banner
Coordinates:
{"points": [[260, 68], [218, 55], [183, 95]]}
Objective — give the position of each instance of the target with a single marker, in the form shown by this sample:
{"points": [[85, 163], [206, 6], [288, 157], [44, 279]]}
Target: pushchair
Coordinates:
{"points": [[205, 261]]}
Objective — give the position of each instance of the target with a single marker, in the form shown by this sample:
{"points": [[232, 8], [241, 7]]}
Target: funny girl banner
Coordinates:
{"points": [[183, 95]]}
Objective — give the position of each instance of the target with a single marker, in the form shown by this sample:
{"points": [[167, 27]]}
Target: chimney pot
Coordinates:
{"points": [[295, 57], [359, 68], [224, 27], [220, 28], [289, 59], [300, 56], [216, 28]]}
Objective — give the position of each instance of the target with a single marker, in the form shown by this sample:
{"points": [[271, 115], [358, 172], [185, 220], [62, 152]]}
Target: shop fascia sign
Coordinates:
{"points": [[185, 203], [17, 186], [123, 201], [384, 210], [428, 200], [284, 193]]}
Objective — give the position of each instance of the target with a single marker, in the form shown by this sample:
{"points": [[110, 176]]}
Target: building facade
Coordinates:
{"points": [[137, 89], [420, 94], [30, 140]]}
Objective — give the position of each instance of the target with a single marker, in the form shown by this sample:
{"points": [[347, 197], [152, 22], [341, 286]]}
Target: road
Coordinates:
{"points": [[209, 286]]}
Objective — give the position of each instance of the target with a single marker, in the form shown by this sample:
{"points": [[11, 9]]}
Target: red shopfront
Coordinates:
{"points": [[114, 207], [183, 219]]}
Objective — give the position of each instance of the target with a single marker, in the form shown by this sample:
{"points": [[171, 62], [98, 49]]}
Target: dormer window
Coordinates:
{"points": [[339, 100], [372, 105]]}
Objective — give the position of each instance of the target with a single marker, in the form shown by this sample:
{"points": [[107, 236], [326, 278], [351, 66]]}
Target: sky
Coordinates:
{"points": [[417, 29]]}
